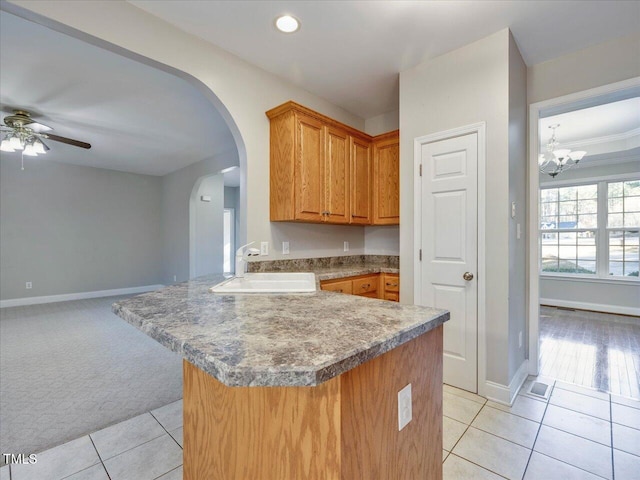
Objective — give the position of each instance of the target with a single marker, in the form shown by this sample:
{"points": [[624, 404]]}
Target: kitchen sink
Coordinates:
{"points": [[285, 282]]}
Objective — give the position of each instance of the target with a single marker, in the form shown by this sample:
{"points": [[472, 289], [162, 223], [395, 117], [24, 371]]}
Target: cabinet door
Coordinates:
{"points": [[366, 285], [386, 190], [340, 286], [361, 173], [337, 176], [310, 190]]}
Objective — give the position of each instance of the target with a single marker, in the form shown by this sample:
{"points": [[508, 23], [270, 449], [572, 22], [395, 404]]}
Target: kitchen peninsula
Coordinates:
{"points": [[300, 386]]}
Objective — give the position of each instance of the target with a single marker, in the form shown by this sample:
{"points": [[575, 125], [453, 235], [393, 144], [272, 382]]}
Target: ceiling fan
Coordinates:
{"points": [[23, 133]]}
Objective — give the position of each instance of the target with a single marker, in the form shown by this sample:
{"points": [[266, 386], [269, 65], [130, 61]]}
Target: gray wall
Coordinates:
{"points": [[177, 191], [463, 87], [208, 240], [72, 229], [517, 194], [232, 200]]}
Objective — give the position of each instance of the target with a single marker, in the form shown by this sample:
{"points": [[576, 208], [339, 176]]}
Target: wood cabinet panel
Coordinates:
{"points": [[386, 183], [340, 286], [310, 169], [378, 285], [325, 171], [361, 177], [372, 445], [240, 433], [343, 429], [365, 285], [337, 175], [391, 286], [392, 296], [391, 282], [282, 165]]}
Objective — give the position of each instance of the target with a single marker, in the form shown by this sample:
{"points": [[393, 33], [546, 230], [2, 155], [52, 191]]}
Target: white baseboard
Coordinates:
{"points": [[506, 394], [596, 307], [19, 302]]}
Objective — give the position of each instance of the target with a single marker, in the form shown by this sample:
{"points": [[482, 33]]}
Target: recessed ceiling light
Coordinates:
{"points": [[287, 24]]}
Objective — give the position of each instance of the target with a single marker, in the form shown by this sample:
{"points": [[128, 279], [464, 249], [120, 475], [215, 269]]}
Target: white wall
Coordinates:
{"points": [[383, 123], [71, 229], [382, 240], [245, 92], [592, 67], [462, 87], [517, 194], [177, 222], [208, 239]]}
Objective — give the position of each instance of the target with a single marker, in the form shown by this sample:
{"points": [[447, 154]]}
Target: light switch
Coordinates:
{"points": [[518, 231], [513, 209], [285, 248]]}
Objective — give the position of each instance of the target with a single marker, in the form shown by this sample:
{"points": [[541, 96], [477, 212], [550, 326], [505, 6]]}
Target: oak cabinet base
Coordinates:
{"points": [[343, 429]]}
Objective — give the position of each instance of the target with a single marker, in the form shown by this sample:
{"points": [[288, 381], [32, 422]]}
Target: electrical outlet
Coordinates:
{"points": [[520, 339], [405, 412], [285, 248], [346, 246], [29, 285], [175, 278], [264, 248]]}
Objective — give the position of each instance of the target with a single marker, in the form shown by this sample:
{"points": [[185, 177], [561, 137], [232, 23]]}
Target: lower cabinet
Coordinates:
{"points": [[377, 285]]}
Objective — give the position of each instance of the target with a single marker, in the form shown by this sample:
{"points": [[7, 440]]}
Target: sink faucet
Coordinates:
{"points": [[241, 258]]}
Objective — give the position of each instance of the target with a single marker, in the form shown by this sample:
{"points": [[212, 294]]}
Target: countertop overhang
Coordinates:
{"points": [[274, 339]]}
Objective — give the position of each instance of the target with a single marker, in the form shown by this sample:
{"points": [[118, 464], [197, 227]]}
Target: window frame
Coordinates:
{"points": [[602, 230]]}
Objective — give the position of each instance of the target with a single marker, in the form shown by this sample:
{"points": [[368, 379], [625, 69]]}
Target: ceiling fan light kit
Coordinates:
{"points": [[25, 135], [556, 160]]}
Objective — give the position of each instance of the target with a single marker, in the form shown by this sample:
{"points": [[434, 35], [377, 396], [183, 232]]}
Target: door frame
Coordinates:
{"points": [[479, 129], [533, 197]]}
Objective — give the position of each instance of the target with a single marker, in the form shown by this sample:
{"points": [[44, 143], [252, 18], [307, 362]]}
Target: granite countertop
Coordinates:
{"points": [[273, 339]]}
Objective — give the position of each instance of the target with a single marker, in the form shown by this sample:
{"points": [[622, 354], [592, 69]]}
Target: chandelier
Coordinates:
{"points": [[556, 160]]}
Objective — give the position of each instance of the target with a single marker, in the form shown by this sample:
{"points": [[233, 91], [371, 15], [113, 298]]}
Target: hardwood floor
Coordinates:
{"points": [[592, 349]]}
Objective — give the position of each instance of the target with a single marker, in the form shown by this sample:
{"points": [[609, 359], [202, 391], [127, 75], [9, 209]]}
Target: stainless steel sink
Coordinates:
{"points": [[285, 282]]}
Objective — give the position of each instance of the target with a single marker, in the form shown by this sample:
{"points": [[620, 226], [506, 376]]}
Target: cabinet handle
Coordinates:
{"points": [[392, 284], [339, 291], [366, 285]]}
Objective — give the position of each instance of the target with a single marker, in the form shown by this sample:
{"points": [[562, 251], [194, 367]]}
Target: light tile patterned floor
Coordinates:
{"points": [[577, 433], [535, 439]]}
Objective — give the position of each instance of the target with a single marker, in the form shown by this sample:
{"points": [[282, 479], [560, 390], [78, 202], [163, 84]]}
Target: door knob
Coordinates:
{"points": [[468, 276]]}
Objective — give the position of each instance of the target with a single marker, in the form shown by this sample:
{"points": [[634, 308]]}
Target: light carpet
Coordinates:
{"points": [[71, 368]]}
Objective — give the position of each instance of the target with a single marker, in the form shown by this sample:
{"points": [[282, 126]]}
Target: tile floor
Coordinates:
{"points": [[597, 350], [577, 433]]}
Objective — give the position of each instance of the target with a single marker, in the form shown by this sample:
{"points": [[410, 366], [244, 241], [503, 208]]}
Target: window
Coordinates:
{"points": [[623, 224], [591, 229], [569, 222]]}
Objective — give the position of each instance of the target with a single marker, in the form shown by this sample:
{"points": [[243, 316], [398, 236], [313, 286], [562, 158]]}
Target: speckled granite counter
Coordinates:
{"points": [[274, 340], [331, 268]]}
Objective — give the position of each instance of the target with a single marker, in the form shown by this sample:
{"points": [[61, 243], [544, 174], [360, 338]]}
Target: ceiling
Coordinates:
{"points": [[137, 118], [607, 132], [350, 52]]}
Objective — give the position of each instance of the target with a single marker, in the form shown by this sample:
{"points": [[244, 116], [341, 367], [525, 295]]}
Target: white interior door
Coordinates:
{"points": [[449, 243]]}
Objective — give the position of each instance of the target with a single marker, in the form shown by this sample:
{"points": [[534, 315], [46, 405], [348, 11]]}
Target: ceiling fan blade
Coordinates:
{"points": [[39, 127], [68, 141]]}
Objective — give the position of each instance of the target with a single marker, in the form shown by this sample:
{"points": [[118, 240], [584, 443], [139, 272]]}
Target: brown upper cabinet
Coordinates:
{"points": [[323, 171], [386, 179]]}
